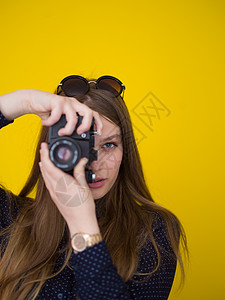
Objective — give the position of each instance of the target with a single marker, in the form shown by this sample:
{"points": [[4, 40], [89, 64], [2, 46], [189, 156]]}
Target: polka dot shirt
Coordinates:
{"points": [[93, 275]]}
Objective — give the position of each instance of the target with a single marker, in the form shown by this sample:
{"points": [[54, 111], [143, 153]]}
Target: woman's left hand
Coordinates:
{"points": [[70, 194]]}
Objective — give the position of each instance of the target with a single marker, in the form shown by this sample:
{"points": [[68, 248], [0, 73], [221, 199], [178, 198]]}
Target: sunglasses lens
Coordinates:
{"points": [[110, 85], [74, 86]]}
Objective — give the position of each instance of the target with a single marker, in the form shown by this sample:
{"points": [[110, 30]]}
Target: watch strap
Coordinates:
{"points": [[81, 241]]}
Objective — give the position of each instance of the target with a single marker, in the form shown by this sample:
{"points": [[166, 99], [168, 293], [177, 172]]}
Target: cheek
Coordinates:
{"points": [[113, 162]]}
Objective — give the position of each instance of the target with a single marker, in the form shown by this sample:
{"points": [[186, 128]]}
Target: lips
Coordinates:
{"points": [[99, 182], [98, 179]]}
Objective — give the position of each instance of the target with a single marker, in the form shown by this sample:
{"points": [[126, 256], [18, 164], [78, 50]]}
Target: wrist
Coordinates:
{"points": [[87, 229], [13, 105], [26, 100], [89, 226]]}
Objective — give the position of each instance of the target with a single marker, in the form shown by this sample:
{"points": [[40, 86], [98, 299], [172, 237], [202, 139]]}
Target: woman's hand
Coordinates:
{"points": [[49, 107], [71, 194]]}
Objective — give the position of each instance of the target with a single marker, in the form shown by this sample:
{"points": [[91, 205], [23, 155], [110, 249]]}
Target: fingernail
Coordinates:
{"points": [[60, 132], [79, 131]]}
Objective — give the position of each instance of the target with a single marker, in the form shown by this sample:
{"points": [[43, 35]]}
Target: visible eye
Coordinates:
{"points": [[109, 146]]}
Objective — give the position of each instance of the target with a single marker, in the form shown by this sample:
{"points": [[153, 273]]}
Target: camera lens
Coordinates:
{"points": [[65, 153]]}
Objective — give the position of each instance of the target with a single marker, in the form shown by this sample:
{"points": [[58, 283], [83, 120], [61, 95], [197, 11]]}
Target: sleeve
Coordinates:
{"points": [[5, 219], [4, 203], [97, 277], [4, 121]]}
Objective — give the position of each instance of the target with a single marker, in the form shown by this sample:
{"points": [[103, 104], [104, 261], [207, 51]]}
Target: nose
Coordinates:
{"points": [[95, 166]]}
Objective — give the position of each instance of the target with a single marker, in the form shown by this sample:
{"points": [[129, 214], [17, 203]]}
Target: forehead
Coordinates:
{"points": [[109, 129], [109, 126]]}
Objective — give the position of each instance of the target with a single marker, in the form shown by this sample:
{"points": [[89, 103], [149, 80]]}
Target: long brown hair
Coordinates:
{"points": [[28, 261]]}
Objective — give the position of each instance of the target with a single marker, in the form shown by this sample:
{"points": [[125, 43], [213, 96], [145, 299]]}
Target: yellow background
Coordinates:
{"points": [[172, 49]]}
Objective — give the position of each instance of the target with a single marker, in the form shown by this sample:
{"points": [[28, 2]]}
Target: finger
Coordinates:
{"points": [[45, 176], [71, 118], [47, 165], [53, 117], [53, 174], [85, 124], [63, 107], [79, 172], [87, 115], [98, 122]]}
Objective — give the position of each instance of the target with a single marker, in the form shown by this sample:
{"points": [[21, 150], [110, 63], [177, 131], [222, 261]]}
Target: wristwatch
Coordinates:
{"points": [[81, 241]]}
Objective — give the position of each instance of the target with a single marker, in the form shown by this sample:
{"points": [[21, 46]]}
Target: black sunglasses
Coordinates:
{"points": [[75, 85]]}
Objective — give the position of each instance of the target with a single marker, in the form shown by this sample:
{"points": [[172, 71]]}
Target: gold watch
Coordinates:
{"points": [[81, 241]]}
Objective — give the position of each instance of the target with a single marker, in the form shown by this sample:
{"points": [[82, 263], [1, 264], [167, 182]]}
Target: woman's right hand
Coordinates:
{"points": [[49, 107]]}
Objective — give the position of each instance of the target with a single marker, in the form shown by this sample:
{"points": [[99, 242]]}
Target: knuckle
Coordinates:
{"points": [[61, 100], [87, 109], [73, 119]]}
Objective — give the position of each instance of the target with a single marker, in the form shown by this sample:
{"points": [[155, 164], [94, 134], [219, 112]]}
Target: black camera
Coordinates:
{"points": [[66, 151]]}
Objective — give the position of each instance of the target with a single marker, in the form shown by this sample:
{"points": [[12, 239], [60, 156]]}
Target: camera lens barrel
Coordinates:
{"points": [[66, 151]]}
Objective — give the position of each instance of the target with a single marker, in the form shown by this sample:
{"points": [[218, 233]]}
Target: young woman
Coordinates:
{"points": [[106, 239]]}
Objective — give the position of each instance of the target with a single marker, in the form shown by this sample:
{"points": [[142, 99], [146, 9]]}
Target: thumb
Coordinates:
{"points": [[79, 172]]}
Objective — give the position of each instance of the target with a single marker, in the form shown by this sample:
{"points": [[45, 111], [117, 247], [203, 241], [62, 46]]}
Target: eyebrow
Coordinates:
{"points": [[111, 137]]}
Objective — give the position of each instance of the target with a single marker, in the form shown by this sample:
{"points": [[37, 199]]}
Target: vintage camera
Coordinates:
{"points": [[66, 151]]}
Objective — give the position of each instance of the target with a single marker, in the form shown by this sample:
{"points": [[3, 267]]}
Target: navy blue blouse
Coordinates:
{"points": [[93, 275]]}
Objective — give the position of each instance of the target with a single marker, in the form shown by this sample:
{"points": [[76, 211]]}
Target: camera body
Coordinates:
{"points": [[66, 151]]}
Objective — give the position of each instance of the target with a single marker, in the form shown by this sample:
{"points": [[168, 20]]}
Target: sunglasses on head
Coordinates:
{"points": [[75, 85]]}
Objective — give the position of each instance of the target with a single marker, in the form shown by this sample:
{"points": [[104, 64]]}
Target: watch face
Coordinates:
{"points": [[79, 243]]}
